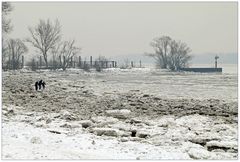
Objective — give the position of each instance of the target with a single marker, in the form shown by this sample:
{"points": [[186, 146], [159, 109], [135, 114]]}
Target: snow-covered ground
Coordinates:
{"points": [[138, 113], [170, 138]]}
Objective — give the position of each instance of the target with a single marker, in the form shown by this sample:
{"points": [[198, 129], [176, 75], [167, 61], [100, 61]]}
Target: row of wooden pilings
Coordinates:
{"points": [[73, 63]]}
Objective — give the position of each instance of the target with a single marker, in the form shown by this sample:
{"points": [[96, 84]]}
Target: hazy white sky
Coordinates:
{"points": [[113, 28]]}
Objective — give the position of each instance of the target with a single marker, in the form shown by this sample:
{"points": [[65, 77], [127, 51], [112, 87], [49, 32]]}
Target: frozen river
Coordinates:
{"points": [[164, 84]]}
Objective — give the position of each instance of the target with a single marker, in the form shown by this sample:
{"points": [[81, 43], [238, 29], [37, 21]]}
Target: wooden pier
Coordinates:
{"points": [[202, 70]]}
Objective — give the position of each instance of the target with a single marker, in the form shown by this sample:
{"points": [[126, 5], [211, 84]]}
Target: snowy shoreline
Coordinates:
{"points": [[177, 139], [102, 116]]}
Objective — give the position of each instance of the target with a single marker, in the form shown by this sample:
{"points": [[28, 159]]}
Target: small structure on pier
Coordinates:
{"points": [[216, 57]]}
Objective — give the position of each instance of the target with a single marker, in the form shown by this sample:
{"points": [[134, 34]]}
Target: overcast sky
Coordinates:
{"points": [[112, 28]]}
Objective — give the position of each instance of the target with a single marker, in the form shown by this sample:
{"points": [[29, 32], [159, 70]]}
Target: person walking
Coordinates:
{"points": [[43, 84], [40, 84], [36, 85]]}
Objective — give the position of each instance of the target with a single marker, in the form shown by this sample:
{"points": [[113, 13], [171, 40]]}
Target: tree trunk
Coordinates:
{"points": [[45, 59], [13, 61], [22, 61]]}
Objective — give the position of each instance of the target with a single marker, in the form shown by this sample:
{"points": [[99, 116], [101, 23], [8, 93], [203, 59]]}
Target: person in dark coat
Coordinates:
{"points": [[36, 85], [43, 84], [40, 84]]}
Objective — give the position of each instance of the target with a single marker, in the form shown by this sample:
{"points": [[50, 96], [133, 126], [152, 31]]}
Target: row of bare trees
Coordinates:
{"points": [[12, 52], [46, 38], [16, 49], [12, 49]]}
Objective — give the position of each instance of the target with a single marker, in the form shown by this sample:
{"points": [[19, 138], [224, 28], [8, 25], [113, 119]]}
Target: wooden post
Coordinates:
{"points": [[54, 63], [216, 57], [115, 63], [37, 65], [33, 65], [79, 61], [40, 61], [71, 61], [9, 62], [60, 59], [22, 61], [91, 61], [112, 63], [64, 61], [13, 62]]}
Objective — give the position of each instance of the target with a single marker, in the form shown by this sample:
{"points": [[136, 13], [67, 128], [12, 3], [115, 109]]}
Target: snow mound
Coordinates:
{"points": [[222, 144], [105, 131], [103, 120], [197, 153], [121, 114]]}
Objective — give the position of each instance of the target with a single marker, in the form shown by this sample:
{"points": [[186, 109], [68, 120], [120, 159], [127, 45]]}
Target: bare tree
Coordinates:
{"points": [[101, 58], [5, 53], [45, 36], [170, 53], [179, 55], [162, 48], [6, 29], [6, 23], [100, 62], [55, 51], [67, 52], [16, 49]]}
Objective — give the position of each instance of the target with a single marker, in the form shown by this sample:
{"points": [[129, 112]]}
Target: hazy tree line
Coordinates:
{"points": [[12, 49], [46, 37], [6, 22]]}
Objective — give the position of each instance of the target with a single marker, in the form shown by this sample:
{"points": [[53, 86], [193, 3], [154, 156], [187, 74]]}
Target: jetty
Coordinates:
{"points": [[204, 70]]}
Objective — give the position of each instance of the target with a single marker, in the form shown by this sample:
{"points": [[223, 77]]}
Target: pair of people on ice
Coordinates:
{"points": [[40, 85]]}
